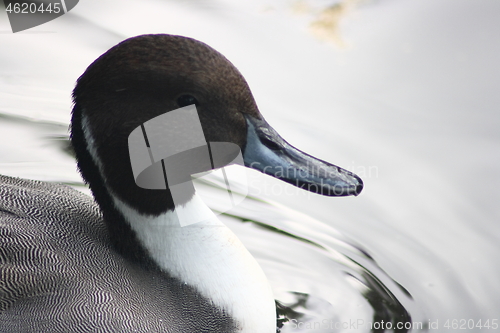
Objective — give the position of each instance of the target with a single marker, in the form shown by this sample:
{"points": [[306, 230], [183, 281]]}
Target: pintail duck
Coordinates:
{"points": [[147, 258]]}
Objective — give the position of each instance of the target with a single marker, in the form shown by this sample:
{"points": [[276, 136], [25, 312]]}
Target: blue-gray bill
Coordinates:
{"points": [[269, 153]]}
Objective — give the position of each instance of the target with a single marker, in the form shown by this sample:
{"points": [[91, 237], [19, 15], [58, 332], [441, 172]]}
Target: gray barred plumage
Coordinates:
{"points": [[58, 272]]}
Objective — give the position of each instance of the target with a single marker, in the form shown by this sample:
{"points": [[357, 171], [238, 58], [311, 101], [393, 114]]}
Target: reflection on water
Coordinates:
{"points": [[36, 149]]}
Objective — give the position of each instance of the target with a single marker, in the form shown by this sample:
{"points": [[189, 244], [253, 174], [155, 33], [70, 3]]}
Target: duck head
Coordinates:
{"points": [[147, 76]]}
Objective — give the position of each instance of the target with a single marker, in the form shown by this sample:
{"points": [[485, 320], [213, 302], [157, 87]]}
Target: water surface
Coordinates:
{"points": [[404, 93]]}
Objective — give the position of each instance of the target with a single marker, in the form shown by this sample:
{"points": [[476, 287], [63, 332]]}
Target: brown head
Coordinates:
{"points": [[146, 76]]}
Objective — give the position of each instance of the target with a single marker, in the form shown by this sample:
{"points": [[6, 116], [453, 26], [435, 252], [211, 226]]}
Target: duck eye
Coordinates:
{"points": [[186, 100]]}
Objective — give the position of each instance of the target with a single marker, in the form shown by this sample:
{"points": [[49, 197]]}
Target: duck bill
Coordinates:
{"points": [[267, 152]]}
